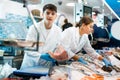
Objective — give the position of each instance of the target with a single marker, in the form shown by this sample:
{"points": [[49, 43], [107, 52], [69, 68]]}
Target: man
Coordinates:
{"points": [[66, 24], [49, 36]]}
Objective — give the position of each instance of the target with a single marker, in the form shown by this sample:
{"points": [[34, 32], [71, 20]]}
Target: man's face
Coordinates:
{"points": [[49, 16]]}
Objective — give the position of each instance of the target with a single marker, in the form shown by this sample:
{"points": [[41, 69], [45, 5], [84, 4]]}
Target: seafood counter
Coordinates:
{"points": [[94, 70]]}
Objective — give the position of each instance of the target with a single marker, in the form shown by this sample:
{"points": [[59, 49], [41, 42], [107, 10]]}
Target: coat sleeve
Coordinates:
{"points": [[32, 34], [66, 41], [90, 51]]}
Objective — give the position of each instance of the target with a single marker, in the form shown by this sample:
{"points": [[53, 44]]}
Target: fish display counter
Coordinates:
{"points": [[95, 70]]}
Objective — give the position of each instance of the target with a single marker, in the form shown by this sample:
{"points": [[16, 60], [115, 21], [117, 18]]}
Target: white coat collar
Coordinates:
{"points": [[44, 33]]}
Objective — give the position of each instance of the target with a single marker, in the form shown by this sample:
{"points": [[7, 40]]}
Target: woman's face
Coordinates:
{"points": [[88, 28]]}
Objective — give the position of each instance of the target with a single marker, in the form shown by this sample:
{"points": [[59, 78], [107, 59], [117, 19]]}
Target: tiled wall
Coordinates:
{"points": [[14, 26], [24, 19]]}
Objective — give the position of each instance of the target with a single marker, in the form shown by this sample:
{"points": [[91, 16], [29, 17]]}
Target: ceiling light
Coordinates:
{"points": [[70, 4], [96, 7], [82, 1]]}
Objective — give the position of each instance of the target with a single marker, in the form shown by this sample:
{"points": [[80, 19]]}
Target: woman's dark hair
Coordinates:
{"points": [[50, 7], [86, 20]]}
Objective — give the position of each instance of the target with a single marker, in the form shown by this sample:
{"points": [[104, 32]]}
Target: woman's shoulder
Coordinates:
{"points": [[71, 28]]}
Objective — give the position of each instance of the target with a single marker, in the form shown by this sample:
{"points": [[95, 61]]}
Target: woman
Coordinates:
{"points": [[76, 38]]}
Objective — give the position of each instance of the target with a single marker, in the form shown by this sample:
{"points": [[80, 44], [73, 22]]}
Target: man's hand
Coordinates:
{"points": [[59, 56], [47, 57]]}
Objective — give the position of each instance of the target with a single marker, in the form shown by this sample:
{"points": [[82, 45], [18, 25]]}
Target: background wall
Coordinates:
{"points": [[15, 9]]}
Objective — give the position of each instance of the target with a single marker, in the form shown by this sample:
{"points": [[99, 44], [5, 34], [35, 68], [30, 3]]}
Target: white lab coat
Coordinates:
{"points": [[49, 39], [73, 42]]}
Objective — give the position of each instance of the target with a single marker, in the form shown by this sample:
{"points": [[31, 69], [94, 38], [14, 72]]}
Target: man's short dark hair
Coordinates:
{"points": [[50, 7]]}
